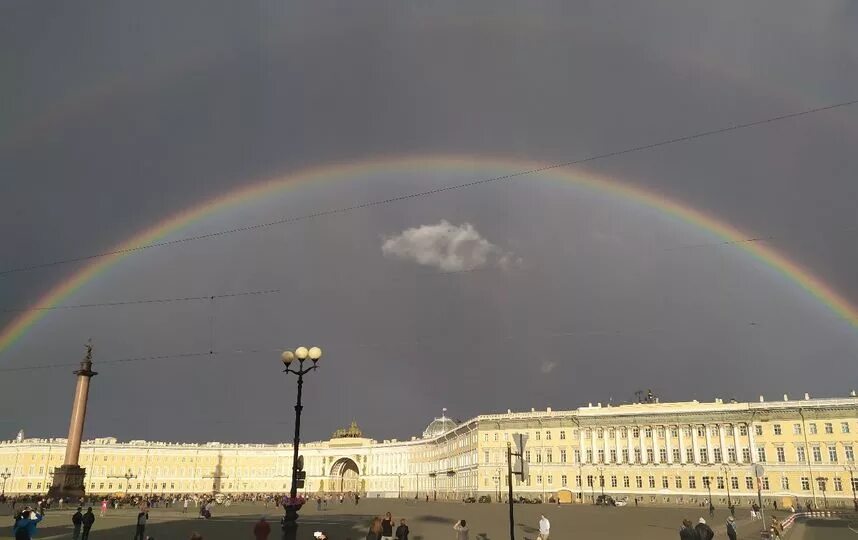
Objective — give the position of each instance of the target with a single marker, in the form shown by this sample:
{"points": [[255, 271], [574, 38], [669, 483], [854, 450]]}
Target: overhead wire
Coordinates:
{"points": [[435, 191]]}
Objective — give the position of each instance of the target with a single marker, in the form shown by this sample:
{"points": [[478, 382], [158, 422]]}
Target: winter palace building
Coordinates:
{"points": [[674, 453]]}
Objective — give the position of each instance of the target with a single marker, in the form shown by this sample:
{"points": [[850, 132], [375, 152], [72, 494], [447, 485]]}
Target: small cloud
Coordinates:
{"points": [[548, 366], [448, 247]]}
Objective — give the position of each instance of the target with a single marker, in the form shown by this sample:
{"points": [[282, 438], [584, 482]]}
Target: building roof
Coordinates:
{"points": [[439, 426]]}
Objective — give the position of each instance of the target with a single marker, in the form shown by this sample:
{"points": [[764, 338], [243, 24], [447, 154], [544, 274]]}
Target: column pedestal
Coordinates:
{"points": [[68, 483]]}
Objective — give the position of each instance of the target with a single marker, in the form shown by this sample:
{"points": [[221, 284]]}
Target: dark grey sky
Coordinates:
{"points": [[116, 115]]}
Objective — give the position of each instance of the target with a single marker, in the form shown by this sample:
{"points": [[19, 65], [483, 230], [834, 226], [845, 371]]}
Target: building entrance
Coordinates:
{"points": [[345, 476]]}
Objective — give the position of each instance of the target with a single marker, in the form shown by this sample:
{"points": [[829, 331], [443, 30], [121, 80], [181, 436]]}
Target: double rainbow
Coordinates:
{"points": [[791, 271]]}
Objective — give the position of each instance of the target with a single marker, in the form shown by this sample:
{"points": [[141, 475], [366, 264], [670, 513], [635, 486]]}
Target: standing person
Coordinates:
{"points": [[185, 506], [77, 521], [687, 532], [732, 533], [753, 511], [544, 527], [461, 528], [402, 530], [103, 507], [262, 529], [387, 527], [374, 532], [142, 518], [88, 520], [704, 531], [25, 524], [732, 508]]}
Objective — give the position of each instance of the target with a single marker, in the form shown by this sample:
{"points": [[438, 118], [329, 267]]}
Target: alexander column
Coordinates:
{"points": [[69, 478]]}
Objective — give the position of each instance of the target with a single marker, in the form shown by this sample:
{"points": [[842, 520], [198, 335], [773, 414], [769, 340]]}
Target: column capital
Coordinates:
{"points": [[86, 369]]}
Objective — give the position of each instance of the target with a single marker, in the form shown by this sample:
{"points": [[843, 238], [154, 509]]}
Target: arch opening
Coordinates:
{"points": [[344, 476]]}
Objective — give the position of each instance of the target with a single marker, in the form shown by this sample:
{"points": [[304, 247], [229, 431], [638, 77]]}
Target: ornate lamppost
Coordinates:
{"points": [[726, 470], [5, 475], [602, 482], [851, 469], [127, 476], [302, 354]]}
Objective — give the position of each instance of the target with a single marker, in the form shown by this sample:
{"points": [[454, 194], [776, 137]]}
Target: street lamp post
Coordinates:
{"points": [[127, 476], [708, 481], [726, 470], [498, 483], [822, 481], [6, 475], [290, 520], [602, 481], [851, 469]]}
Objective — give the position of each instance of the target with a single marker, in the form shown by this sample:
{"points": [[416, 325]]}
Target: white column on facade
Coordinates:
{"points": [[630, 444], [736, 444], [582, 450], [707, 431], [752, 443], [723, 443], [682, 458], [655, 447], [593, 445], [618, 445], [695, 444], [641, 436], [669, 443], [607, 446]]}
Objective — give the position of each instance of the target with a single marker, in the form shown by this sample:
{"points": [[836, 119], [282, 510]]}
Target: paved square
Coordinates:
{"points": [[428, 521]]}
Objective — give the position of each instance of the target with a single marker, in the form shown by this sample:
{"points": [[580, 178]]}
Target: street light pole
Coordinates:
{"points": [[6, 475], [726, 470], [822, 481], [290, 520], [602, 481], [851, 469]]}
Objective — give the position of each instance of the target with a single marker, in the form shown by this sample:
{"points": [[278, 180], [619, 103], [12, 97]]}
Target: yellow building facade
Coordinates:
{"points": [[663, 453]]}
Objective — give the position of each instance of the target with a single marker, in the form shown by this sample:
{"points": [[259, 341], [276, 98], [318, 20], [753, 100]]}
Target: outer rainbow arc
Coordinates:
{"points": [[792, 271]]}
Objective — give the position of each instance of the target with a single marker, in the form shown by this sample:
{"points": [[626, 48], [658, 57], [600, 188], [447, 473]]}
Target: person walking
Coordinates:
{"points": [[77, 521], [88, 520], [544, 527], [387, 527], [461, 528], [704, 531], [142, 518], [262, 529], [687, 532], [732, 533], [374, 532], [776, 527], [402, 531], [185, 506], [103, 507]]}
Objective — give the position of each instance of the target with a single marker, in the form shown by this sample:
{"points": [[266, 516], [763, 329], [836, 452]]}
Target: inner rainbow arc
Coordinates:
{"points": [[792, 271]]}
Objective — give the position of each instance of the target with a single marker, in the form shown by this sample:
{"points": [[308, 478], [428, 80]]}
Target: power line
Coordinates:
{"points": [[178, 356], [420, 194], [144, 301]]}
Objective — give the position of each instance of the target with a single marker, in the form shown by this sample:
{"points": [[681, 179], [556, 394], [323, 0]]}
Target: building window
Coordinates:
{"points": [[731, 455], [674, 432], [601, 455], [537, 435], [850, 454], [660, 432], [805, 483], [817, 454], [539, 479], [761, 454], [811, 428], [639, 481], [765, 483], [613, 456], [706, 482], [527, 456], [829, 428], [704, 457], [652, 482], [692, 482], [664, 483], [749, 482], [701, 431], [687, 431], [485, 439], [777, 428], [678, 482], [539, 457], [800, 454], [832, 454], [675, 455], [577, 455], [613, 480], [838, 484], [563, 456], [758, 430], [714, 431], [689, 455], [548, 438], [734, 482], [636, 432], [820, 483], [662, 455], [486, 456], [844, 427], [637, 455], [743, 430], [563, 480], [625, 454], [600, 433], [781, 455], [796, 429], [589, 480], [717, 452], [548, 457], [649, 457], [589, 456], [719, 481], [578, 481], [784, 482], [624, 432], [625, 481], [562, 435]]}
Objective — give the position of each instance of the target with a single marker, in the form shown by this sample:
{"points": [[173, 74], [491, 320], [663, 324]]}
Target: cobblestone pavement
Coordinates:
{"points": [[428, 521]]}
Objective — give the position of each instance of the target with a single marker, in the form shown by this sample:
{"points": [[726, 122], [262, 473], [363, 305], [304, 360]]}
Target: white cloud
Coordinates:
{"points": [[548, 366], [448, 247]]}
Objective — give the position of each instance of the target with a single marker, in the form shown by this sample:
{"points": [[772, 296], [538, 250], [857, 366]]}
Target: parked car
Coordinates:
{"points": [[605, 500], [469, 500], [485, 499], [622, 501]]}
